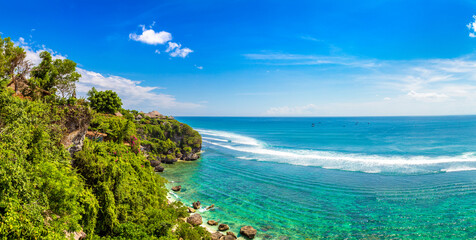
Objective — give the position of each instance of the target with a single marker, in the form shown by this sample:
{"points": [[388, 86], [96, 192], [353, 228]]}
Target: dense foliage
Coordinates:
{"points": [[168, 138], [104, 101], [108, 189], [40, 194]]}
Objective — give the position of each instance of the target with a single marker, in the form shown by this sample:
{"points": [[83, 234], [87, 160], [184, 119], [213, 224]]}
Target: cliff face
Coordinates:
{"points": [[75, 124], [168, 140]]}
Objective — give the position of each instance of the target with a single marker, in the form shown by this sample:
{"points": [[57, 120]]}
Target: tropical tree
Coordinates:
{"points": [[104, 101], [58, 75], [14, 67]]}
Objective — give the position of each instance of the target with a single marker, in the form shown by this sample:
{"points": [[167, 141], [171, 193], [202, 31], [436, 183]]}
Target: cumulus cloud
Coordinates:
{"points": [[151, 37], [134, 94], [472, 27], [176, 50]]}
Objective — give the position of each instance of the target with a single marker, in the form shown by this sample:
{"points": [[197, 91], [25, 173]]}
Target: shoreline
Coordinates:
{"points": [[212, 229]]}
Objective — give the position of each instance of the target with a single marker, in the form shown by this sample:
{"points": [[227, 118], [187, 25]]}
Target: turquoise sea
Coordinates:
{"points": [[354, 178]]}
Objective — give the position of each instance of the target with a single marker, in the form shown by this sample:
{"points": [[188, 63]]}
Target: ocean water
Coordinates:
{"points": [[353, 178]]}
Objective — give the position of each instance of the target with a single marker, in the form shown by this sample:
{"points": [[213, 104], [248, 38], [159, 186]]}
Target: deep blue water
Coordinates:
{"points": [[368, 177]]}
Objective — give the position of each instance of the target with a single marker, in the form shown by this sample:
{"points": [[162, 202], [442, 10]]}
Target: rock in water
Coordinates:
{"points": [[191, 210], [212, 222], [196, 204], [195, 219], [227, 237], [231, 234], [248, 231], [210, 207], [159, 168], [216, 235], [223, 227], [177, 188]]}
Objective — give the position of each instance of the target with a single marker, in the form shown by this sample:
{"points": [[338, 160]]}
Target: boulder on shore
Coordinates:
{"points": [[248, 231], [196, 204], [154, 163], [223, 227], [227, 237], [159, 168], [231, 234], [177, 188], [191, 210], [212, 223], [216, 235], [195, 219]]}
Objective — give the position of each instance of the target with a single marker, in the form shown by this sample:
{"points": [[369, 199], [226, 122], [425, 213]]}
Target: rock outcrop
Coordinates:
{"points": [[212, 223], [195, 219], [216, 235], [223, 227], [210, 207], [177, 188], [196, 204], [231, 234], [248, 231], [75, 124]]}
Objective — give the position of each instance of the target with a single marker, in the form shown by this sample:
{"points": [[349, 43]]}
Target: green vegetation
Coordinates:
{"points": [[104, 101], [108, 189]]}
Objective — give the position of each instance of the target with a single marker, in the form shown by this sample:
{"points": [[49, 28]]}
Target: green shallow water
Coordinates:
{"points": [[341, 178], [296, 202]]}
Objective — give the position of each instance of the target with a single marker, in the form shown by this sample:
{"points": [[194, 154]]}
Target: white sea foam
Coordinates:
{"points": [[252, 149], [459, 169], [229, 137]]}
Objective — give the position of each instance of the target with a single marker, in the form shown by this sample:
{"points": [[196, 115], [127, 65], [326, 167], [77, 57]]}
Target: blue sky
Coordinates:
{"points": [[262, 58]]}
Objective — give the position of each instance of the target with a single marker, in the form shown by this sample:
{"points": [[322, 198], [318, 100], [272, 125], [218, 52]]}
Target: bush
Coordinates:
{"points": [[104, 101]]}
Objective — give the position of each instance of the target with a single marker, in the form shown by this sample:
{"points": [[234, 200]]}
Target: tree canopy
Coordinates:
{"points": [[104, 101]]}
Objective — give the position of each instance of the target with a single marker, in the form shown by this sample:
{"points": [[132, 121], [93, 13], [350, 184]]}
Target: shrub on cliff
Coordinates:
{"points": [[104, 101], [132, 198], [40, 194]]}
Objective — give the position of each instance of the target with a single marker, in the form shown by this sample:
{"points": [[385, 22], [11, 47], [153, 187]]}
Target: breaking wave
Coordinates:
{"points": [[247, 148]]}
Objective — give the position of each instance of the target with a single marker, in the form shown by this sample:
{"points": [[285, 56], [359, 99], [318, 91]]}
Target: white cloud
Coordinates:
{"points": [[149, 36], [199, 67], [133, 94], [428, 96], [472, 27], [176, 50]]}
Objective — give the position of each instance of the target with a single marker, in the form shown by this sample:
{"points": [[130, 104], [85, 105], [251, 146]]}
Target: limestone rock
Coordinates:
{"points": [[196, 204], [195, 219], [159, 168], [211, 206], [216, 235], [191, 210], [248, 231], [231, 234], [212, 223], [223, 227], [227, 237]]}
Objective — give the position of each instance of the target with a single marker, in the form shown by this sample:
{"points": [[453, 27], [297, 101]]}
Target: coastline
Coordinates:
{"points": [[173, 197]]}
